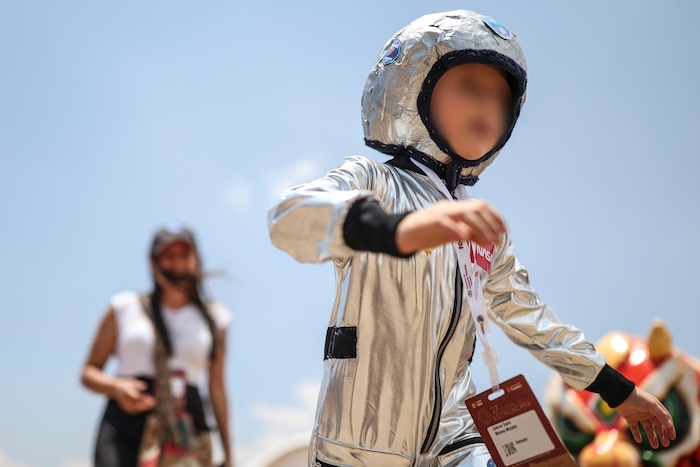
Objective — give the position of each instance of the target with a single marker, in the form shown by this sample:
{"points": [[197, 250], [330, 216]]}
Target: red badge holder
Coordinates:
{"points": [[515, 429]]}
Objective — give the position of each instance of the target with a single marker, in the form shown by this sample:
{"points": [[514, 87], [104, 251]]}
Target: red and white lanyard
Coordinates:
{"points": [[472, 283]]}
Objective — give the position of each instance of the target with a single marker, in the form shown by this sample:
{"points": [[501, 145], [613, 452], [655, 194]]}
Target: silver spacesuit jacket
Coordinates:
{"points": [[400, 400], [401, 337]]}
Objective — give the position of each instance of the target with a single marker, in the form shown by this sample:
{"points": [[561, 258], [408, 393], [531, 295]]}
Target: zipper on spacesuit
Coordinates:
{"points": [[437, 407]]}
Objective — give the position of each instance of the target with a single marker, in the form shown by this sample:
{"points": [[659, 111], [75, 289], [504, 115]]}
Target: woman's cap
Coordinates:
{"points": [[172, 232]]}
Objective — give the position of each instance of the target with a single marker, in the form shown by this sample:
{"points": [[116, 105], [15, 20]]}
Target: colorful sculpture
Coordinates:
{"points": [[593, 432]]}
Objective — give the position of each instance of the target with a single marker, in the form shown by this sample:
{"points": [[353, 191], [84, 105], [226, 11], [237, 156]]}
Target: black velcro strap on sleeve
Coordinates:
{"points": [[612, 386], [341, 342], [368, 227], [320, 463]]}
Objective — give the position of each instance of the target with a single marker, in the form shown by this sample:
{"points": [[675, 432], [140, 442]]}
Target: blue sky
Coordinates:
{"points": [[118, 116]]}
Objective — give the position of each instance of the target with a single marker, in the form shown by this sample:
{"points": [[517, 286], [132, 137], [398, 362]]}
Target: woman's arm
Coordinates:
{"points": [[102, 347], [128, 392], [217, 393]]}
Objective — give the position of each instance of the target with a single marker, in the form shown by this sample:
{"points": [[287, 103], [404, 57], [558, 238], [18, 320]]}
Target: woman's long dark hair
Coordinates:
{"points": [[196, 297]]}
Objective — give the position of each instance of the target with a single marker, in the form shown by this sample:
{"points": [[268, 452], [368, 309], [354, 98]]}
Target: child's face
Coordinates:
{"points": [[471, 107]]}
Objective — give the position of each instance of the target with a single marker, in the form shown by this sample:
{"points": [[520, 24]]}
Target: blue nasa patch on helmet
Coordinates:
{"points": [[497, 27], [490, 463], [392, 52]]}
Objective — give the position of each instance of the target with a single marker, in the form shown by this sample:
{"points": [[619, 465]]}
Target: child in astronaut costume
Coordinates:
{"points": [[442, 97]]}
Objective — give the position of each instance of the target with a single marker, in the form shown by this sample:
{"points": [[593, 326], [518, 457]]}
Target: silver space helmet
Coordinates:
{"points": [[396, 99]]}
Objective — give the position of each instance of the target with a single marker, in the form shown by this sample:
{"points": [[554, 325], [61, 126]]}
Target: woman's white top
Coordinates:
{"points": [[189, 334]]}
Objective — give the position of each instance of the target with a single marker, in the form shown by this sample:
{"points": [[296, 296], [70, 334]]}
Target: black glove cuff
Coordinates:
{"points": [[612, 386], [368, 227]]}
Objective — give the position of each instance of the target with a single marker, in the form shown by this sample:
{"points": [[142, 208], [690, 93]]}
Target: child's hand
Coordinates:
{"points": [[640, 407], [450, 221]]}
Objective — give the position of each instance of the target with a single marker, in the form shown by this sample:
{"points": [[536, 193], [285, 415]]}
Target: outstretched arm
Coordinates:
{"points": [[516, 308]]}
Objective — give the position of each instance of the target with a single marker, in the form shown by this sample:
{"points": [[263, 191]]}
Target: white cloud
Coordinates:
{"points": [[282, 423], [7, 462], [238, 195], [75, 463], [300, 171]]}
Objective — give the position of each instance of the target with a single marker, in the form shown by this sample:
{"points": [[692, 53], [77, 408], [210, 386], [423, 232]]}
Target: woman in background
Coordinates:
{"points": [[191, 330]]}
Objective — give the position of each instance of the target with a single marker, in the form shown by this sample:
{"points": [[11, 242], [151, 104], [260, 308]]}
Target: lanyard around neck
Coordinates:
{"points": [[471, 281]]}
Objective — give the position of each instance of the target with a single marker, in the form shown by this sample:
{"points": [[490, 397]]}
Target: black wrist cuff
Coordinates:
{"points": [[368, 227], [612, 386]]}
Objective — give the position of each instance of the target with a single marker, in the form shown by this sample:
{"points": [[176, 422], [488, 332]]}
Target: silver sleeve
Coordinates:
{"points": [[307, 221], [516, 308]]}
